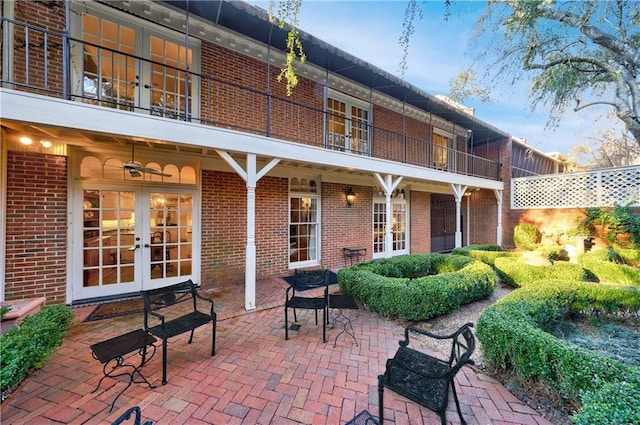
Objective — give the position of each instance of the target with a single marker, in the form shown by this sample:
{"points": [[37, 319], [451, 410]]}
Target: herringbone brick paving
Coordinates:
{"points": [[256, 377]]}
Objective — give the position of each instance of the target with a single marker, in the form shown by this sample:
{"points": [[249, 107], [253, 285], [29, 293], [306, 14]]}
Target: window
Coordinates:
{"points": [[304, 222]]}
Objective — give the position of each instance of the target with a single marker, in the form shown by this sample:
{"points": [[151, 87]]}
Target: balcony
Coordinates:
{"points": [[52, 64]]}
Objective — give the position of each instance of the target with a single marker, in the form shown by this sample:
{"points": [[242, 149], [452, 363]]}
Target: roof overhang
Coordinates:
{"points": [[253, 22]]}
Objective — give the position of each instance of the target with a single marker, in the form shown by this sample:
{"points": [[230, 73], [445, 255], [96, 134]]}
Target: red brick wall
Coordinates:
{"points": [[36, 248], [224, 228], [344, 226], [420, 225], [246, 110], [484, 204], [551, 223], [49, 15]]}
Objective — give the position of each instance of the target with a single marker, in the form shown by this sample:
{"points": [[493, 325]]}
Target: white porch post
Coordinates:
{"points": [[498, 194], [388, 185], [458, 192], [251, 177]]}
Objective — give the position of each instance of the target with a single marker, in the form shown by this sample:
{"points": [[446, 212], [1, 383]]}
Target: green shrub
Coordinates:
{"points": [[418, 287], [526, 236], [514, 335], [28, 345], [614, 403], [552, 252], [517, 273], [485, 253], [605, 265], [614, 222]]}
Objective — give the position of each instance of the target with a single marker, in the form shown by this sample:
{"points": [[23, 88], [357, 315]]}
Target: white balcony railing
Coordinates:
{"points": [[597, 188]]}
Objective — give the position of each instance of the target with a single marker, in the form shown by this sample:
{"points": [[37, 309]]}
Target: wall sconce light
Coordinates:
{"points": [[351, 197]]}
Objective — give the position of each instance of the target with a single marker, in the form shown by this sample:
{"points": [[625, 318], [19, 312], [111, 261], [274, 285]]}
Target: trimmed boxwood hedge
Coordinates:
{"points": [[602, 263], [418, 287], [485, 253], [514, 336], [517, 273]]}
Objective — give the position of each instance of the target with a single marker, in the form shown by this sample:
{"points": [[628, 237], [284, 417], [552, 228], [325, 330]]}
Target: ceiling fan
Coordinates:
{"points": [[136, 169]]}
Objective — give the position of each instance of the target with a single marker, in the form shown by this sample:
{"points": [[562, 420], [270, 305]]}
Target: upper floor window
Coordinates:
{"points": [[349, 126]]}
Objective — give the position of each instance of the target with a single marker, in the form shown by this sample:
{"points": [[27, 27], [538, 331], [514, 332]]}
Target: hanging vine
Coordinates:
{"points": [[287, 16]]}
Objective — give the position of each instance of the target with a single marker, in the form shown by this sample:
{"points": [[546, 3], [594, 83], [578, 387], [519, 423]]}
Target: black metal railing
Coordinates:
{"points": [[50, 63]]}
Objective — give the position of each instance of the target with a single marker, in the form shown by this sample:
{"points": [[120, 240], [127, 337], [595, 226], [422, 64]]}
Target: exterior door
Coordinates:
{"points": [[398, 227], [443, 223], [348, 127], [129, 66], [134, 238]]}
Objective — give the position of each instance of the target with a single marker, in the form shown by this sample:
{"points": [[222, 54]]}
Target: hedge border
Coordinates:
{"points": [[597, 262], [513, 334], [392, 287]]}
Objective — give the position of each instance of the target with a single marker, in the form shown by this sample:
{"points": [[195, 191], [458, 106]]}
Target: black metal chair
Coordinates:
{"points": [[304, 281], [137, 417], [426, 379]]}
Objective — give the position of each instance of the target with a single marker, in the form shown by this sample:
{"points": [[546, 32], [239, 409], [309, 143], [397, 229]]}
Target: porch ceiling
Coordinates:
{"points": [[108, 143], [253, 22]]}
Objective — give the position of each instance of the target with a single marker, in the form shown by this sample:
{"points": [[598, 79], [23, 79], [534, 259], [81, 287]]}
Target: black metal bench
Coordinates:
{"points": [[179, 319], [423, 378]]}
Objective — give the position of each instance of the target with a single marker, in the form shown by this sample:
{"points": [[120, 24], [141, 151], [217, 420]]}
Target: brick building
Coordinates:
{"points": [[134, 156]]}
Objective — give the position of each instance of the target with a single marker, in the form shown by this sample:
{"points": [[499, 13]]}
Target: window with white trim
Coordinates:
{"points": [[304, 222]]}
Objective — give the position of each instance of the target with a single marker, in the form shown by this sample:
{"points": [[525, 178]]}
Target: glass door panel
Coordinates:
{"points": [[108, 245], [169, 83], [399, 221], [359, 131], [110, 75], [379, 226], [170, 230], [337, 131]]}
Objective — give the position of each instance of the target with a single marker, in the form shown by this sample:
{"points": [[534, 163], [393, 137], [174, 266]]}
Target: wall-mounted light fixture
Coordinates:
{"points": [[351, 197]]}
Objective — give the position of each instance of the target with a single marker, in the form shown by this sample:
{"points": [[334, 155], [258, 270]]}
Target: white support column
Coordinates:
{"points": [[251, 177], [388, 185], [458, 193], [498, 194]]}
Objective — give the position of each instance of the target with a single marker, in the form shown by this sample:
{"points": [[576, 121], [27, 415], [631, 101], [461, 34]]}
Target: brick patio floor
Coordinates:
{"points": [[256, 377]]}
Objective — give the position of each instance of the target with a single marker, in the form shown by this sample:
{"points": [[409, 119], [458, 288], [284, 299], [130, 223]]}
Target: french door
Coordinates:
{"points": [[348, 126], [134, 238], [131, 66], [398, 227]]}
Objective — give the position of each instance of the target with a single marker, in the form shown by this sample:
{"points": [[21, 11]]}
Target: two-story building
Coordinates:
{"points": [[148, 142]]}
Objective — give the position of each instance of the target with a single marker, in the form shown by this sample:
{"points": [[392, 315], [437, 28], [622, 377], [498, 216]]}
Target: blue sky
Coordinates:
{"points": [[440, 50]]}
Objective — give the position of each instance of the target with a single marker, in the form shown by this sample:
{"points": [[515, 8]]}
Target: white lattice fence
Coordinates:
{"points": [[598, 188]]}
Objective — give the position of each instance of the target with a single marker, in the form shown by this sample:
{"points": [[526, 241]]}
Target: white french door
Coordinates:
{"points": [[128, 65], [348, 126], [398, 227], [133, 238]]}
